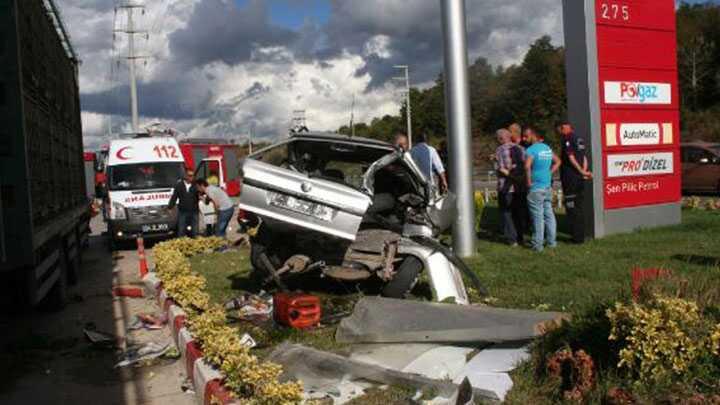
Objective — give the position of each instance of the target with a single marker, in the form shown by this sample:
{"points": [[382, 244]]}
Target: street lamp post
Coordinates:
{"points": [[457, 102], [407, 101]]}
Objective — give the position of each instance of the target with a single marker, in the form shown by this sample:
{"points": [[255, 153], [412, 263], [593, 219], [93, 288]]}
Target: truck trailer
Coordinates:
{"points": [[44, 208]]}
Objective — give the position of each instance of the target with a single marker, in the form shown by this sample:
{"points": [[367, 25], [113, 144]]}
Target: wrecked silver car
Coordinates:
{"points": [[352, 209]]}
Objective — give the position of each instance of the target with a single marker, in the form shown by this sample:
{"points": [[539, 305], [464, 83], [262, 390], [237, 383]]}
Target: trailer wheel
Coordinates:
{"points": [[75, 263], [405, 278], [57, 297]]}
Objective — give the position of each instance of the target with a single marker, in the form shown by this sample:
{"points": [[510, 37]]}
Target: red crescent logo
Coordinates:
{"points": [[120, 151]]}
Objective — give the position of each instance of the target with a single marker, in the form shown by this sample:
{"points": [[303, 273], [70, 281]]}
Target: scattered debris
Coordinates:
{"points": [[382, 320], [128, 291], [149, 322], [247, 341], [173, 353], [251, 307], [145, 352], [188, 387], [102, 339]]}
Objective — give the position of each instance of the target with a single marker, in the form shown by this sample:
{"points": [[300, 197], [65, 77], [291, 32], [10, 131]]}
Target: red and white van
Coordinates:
{"points": [[141, 174]]}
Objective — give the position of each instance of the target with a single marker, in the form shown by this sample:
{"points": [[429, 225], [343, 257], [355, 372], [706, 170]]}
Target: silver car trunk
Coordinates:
{"points": [[295, 198]]}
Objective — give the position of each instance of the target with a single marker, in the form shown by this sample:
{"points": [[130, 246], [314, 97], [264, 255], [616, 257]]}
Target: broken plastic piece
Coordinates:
{"points": [[322, 371], [382, 320]]}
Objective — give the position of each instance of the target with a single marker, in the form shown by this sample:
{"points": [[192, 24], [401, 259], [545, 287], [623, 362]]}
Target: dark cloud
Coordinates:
{"points": [[223, 31], [415, 32], [160, 99]]}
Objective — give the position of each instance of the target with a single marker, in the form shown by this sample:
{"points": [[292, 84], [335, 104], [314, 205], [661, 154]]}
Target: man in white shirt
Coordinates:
{"points": [[222, 202], [427, 159]]}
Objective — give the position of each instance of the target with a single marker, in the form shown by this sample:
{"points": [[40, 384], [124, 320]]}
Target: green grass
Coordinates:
{"points": [[575, 277]]}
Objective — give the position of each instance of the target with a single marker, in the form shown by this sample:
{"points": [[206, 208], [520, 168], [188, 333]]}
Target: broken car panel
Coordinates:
{"points": [[352, 208]]}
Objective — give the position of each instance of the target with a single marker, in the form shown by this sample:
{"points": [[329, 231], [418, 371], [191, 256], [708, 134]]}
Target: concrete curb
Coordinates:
{"points": [[207, 379]]}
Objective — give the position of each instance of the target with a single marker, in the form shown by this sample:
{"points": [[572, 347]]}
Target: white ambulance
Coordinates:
{"points": [[141, 174]]}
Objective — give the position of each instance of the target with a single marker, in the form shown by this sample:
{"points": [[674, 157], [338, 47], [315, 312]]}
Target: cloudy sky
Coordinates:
{"points": [[217, 67]]}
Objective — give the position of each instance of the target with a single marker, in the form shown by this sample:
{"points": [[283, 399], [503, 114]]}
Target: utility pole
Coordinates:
{"points": [[457, 105], [250, 138], [352, 117], [406, 68], [131, 58]]}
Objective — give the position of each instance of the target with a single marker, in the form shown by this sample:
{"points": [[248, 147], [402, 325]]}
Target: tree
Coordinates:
{"points": [[696, 54], [536, 90]]}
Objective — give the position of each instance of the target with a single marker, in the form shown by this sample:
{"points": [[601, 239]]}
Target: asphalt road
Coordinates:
{"points": [[46, 359]]}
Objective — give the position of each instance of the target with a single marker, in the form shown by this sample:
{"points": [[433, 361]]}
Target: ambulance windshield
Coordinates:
{"points": [[143, 176]]}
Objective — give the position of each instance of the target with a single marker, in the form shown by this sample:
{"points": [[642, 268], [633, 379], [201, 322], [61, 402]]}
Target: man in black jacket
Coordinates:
{"points": [[185, 195]]}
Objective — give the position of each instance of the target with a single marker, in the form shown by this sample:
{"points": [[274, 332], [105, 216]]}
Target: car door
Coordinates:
{"points": [[280, 193], [441, 208]]}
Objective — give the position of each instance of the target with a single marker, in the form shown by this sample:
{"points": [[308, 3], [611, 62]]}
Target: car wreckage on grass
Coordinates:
{"points": [[352, 209]]}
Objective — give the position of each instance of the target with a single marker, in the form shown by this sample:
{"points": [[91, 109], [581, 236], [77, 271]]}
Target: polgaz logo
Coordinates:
{"points": [[637, 93]]}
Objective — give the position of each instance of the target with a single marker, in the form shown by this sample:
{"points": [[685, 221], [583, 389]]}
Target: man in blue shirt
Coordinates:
{"points": [[428, 161], [540, 164]]}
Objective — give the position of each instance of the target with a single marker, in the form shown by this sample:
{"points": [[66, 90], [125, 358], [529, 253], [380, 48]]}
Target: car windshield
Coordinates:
{"points": [[337, 161], [140, 176]]}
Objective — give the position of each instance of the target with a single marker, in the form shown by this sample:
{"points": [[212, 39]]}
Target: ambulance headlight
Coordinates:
{"points": [[118, 211]]}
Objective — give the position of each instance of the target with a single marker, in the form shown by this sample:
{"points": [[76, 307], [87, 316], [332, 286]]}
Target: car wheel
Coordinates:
{"points": [[405, 278]]}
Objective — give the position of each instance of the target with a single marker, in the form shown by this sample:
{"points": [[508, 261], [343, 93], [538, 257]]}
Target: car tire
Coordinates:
{"points": [[405, 278]]}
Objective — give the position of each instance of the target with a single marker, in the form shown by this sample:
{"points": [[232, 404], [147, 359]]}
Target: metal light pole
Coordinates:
{"points": [[457, 106], [407, 101]]}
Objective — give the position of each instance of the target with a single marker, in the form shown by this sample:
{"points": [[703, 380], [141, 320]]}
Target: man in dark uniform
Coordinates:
{"points": [[185, 195], [573, 173]]}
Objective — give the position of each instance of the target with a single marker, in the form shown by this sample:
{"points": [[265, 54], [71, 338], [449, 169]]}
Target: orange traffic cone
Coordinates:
{"points": [[141, 255]]}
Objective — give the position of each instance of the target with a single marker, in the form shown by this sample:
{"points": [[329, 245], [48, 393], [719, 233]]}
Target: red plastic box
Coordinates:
{"points": [[298, 311]]}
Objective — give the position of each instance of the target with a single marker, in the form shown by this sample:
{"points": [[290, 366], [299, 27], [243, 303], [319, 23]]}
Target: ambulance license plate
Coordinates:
{"points": [[155, 228]]}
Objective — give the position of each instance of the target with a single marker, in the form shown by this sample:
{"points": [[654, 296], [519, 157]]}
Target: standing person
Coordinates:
{"points": [[515, 133], [401, 141], [573, 174], [428, 160], [223, 205], [510, 168], [540, 165], [185, 196]]}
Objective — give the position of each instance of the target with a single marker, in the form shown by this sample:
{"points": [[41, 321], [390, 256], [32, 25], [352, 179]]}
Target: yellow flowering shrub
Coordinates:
{"points": [[715, 340], [250, 380], [660, 339]]}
